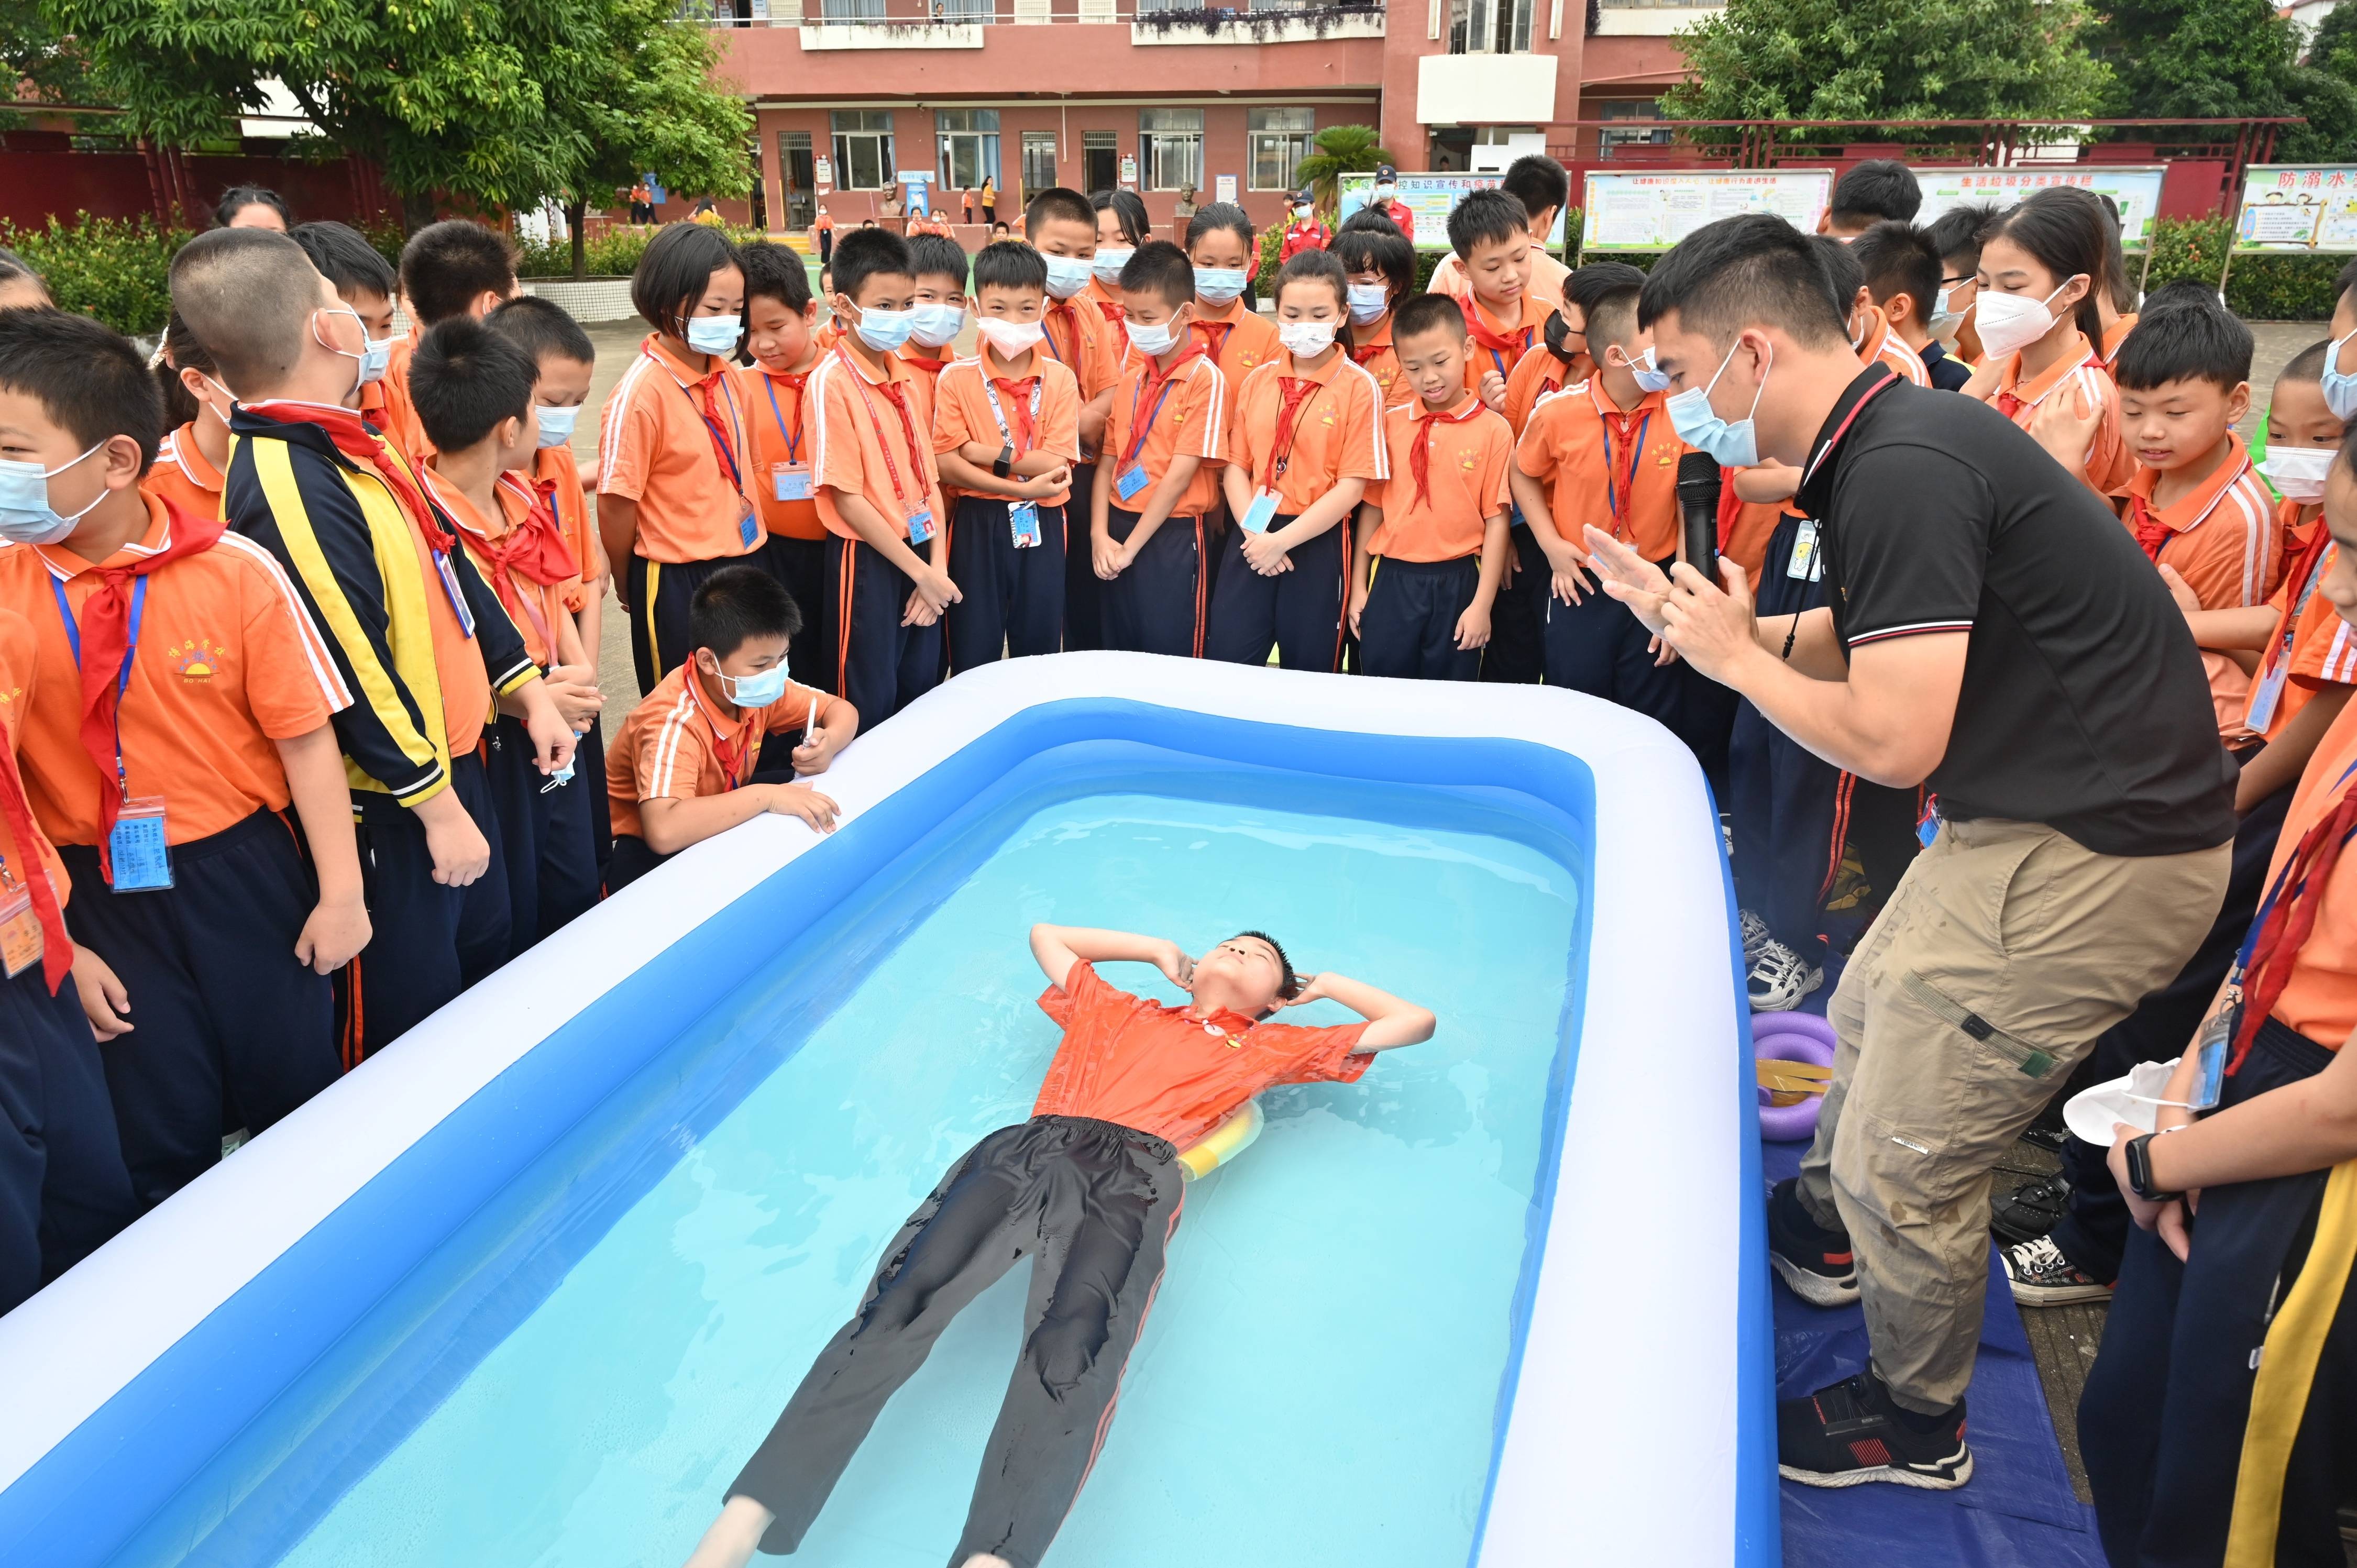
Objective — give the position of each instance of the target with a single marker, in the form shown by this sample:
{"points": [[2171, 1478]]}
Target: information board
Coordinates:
{"points": [[1223, 188], [1655, 210], [1429, 196], [2297, 207], [2135, 189]]}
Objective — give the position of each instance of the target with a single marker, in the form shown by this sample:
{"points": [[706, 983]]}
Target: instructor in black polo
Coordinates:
{"points": [[1996, 638]]}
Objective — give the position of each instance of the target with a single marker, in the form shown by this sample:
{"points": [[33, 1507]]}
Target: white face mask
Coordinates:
{"points": [[2297, 472], [2009, 323], [1109, 261], [1067, 276], [1152, 340], [1011, 339], [1305, 339], [1368, 301]]}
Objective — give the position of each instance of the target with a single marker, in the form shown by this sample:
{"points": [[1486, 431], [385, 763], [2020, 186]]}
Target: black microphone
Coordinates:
{"points": [[1698, 485]]}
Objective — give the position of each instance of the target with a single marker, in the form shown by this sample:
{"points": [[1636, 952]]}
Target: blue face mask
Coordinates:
{"points": [[1368, 301], [1218, 284], [713, 333], [1110, 260], [885, 330], [1648, 377], [1067, 276], [26, 516], [756, 691], [937, 326], [1383, 193], [376, 356], [2340, 386], [1735, 444], [555, 424]]}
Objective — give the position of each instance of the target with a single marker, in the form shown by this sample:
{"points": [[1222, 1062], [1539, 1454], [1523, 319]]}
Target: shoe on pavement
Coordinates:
{"points": [[1755, 935], [2041, 1276], [1780, 979], [2028, 1212], [1852, 1433], [1815, 1264]]}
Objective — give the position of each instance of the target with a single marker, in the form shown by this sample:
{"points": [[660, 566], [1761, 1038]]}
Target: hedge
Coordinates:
{"points": [[612, 252], [2258, 288], [116, 269]]}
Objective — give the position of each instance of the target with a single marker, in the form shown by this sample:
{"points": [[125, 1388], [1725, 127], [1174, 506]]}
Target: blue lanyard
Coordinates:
{"points": [[2259, 921], [793, 440], [1612, 490], [1137, 431], [130, 651], [720, 442]]}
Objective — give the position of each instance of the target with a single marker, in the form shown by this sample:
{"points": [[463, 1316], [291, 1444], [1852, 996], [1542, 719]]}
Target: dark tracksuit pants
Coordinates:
{"points": [[545, 834], [63, 1188], [1517, 651], [2094, 1227], [1297, 613], [1014, 599], [801, 565], [1094, 1206], [632, 859], [1083, 591], [1598, 646], [880, 665], [1408, 628], [429, 941], [228, 1030], [590, 763], [1158, 605], [2169, 1400], [660, 593]]}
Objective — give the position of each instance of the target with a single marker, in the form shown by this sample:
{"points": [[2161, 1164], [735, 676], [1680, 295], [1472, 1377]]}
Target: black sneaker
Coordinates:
{"points": [[1852, 1433], [2028, 1212], [2041, 1276], [1813, 1262]]}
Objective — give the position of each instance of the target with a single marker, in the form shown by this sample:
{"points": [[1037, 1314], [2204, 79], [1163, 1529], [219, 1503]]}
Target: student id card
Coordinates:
{"points": [[2265, 695], [920, 525], [790, 481], [20, 928], [749, 527], [136, 849], [1807, 565], [1260, 513], [458, 603], [1023, 520], [1131, 482]]}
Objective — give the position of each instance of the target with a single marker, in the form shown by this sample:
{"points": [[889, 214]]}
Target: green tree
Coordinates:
{"points": [[1888, 59], [2195, 59], [2324, 88], [1341, 149], [46, 68]]}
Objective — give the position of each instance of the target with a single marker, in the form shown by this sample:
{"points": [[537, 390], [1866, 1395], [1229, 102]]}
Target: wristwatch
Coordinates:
{"points": [[2139, 1162], [1003, 461]]}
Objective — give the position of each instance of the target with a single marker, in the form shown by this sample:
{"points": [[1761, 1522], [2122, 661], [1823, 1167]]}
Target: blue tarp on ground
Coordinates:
{"points": [[2017, 1512]]}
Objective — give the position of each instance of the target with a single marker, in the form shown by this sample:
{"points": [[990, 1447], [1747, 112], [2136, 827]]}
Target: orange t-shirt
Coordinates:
{"points": [[1467, 452], [2108, 462], [1617, 470], [1188, 414], [962, 412], [677, 746], [1547, 278], [1537, 374], [2223, 540], [2320, 647], [1090, 347], [1337, 432], [693, 481], [2114, 335], [227, 663], [557, 477], [1372, 351], [19, 672], [1519, 340], [539, 610], [1108, 304], [865, 445], [182, 476], [396, 415], [779, 405], [1164, 1072], [1238, 340], [1883, 343], [2319, 999]]}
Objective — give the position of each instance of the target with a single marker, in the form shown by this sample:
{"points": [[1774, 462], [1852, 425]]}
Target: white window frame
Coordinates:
{"points": [[1287, 145], [1170, 157]]}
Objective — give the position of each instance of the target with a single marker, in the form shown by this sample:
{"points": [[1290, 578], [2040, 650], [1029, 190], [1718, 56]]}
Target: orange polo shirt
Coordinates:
{"points": [[1187, 415], [2319, 1000], [1466, 454], [927, 364], [537, 608], [557, 477], [677, 744], [2321, 647], [1617, 470], [396, 416], [1547, 278], [1108, 304], [1521, 340], [778, 402], [1537, 374], [1162, 1071], [1088, 345], [656, 449], [19, 673], [963, 412], [1338, 430], [182, 476], [2226, 543], [1238, 340], [866, 446], [1370, 349], [1882, 343], [2114, 335], [227, 664], [2108, 462]]}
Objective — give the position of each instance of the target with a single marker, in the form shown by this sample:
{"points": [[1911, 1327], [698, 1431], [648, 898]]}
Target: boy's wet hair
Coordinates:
{"points": [[736, 602], [86, 376], [865, 253], [249, 296], [1876, 190], [465, 379], [1897, 259], [1496, 215], [938, 255], [1427, 313], [1009, 264], [446, 266], [345, 258], [1057, 203], [542, 327], [1289, 985], [1161, 269], [2184, 337], [775, 272]]}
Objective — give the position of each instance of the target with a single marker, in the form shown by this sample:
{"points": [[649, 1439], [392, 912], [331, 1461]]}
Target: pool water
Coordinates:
{"points": [[1321, 1380]]}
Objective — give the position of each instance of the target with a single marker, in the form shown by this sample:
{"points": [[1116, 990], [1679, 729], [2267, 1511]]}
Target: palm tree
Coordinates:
{"points": [[1341, 149]]}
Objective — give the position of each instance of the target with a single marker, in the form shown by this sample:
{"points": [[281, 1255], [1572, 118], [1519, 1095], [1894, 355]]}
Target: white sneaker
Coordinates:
{"points": [[2041, 1276], [1780, 979], [1755, 935]]}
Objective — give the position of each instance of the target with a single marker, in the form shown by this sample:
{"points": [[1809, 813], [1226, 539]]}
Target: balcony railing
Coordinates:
{"points": [[1981, 144], [916, 15]]}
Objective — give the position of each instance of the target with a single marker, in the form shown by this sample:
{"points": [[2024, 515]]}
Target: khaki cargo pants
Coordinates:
{"points": [[2005, 951]]}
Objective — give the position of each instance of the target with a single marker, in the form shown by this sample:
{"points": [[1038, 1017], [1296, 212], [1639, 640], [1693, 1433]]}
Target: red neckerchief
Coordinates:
{"points": [[357, 440], [1626, 426], [1150, 397], [1071, 326], [2151, 534], [1215, 338], [1419, 456], [1015, 399], [1361, 353], [1489, 337], [1295, 392], [926, 364], [748, 737], [57, 947], [2287, 918]]}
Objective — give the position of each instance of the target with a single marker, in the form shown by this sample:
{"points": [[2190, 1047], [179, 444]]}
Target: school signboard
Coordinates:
{"points": [[2135, 187], [1429, 196], [1654, 211], [2297, 207]]}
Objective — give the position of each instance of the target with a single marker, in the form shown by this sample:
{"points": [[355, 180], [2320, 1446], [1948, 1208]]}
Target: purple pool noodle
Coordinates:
{"points": [[1792, 1038]]}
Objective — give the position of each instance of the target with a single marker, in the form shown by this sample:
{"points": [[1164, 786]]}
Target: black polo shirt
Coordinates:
{"points": [[1948, 373], [2085, 705]]}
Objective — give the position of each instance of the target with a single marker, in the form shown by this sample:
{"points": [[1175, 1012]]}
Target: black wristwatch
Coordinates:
{"points": [[1003, 461], [2139, 1161]]}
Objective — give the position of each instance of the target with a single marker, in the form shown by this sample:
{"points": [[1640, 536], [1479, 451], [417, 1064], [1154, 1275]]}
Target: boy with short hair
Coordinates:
{"points": [[364, 280], [456, 267], [1159, 470], [682, 763], [1875, 332], [1490, 233], [1006, 432], [1431, 544], [879, 490], [942, 272], [1061, 225], [474, 390], [413, 630], [163, 773], [1957, 235], [1542, 187], [1879, 191], [1902, 272], [781, 334]]}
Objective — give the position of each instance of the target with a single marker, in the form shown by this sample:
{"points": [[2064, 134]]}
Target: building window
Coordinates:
{"points": [[1630, 108], [851, 10], [1173, 147], [969, 146], [863, 148], [1100, 159], [1280, 140], [1039, 164], [1489, 26]]}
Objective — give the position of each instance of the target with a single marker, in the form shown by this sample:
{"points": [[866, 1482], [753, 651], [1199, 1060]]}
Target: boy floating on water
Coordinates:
{"points": [[1090, 1187]]}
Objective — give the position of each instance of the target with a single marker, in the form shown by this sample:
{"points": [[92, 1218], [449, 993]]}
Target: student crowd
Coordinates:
{"points": [[299, 624]]}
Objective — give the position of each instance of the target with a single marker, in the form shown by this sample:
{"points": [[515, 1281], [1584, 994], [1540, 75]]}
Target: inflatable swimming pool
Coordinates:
{"points": [[529, 1285]]}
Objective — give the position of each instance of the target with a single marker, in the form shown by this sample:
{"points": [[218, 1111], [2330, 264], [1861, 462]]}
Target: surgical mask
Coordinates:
{"points": [[1067, 276], [26, 515], [1368, 301], [1305, 339], [2009, 323], [1301, 210], [1647, 378], [375, 358], [938, 324], [1218, 284], [227, 396], [713, 333], [885, 330], [1943, 321], [1011, 339], [1109, 261], [367, 353], [555, 424], [755, 691], [1735, 443], [2339, 387], [1154, 341], [1385, 192], [2297, 472]]}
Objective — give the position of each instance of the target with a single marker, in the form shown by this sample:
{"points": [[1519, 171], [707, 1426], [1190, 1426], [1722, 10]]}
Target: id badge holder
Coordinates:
{"points": [[2265, 695], [1023, 520], [1260, 513], [920, 525], [749, 527], [136, 849], [1803, 567], [451, 591], [1928, 828], [20, 928], [790, 481], [1130, 483], [2210, 1059]]}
